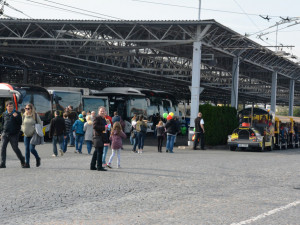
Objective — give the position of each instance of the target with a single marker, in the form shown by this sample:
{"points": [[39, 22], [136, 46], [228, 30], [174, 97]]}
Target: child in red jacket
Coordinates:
{"points": [[116, 136]]}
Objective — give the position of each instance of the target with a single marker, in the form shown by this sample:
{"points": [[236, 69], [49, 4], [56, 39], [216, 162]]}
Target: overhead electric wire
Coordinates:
{"points": [[63, 9], [13, 8], [191, 7], [83, 9], [246, 14]]}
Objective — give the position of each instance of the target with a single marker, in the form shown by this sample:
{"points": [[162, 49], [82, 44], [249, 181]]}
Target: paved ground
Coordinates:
{"points": [[215, 186]]}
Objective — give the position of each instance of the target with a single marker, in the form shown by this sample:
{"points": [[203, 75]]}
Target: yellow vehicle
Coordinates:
{"points": [[256, 130], [286, 132]]}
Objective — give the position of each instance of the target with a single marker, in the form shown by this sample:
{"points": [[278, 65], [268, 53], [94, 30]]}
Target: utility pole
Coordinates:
{"points": [[199, 12]]}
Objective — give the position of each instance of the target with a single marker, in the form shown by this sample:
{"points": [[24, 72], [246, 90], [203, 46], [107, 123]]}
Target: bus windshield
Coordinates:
{"points": [[92, 104], [61, 100], [40, 99]]}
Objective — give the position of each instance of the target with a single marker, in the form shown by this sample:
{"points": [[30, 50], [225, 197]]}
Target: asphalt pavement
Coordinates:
{"points": [[215, 186]]}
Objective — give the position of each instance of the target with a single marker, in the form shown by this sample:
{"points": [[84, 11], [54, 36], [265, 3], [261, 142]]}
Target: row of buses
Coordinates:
{"points": [[126, 101], [261, 129]]}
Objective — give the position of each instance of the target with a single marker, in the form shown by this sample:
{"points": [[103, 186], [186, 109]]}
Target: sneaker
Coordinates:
{"points": [[80, 152], [109, 166], [54, 155], [26, 165], [75, 151], [2, 166], [61, 152], [167, 150], [38, 162], [119, 167]]}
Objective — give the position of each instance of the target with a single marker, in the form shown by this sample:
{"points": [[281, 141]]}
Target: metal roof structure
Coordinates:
{"points": [[147, 54]]}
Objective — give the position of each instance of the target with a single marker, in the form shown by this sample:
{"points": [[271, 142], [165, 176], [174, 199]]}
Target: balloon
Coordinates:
{"points": [[169, 117], [194, 129], [171, 114], [165, 115]]}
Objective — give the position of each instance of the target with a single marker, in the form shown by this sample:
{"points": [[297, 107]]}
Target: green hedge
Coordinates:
{"points": [[219, 122]]}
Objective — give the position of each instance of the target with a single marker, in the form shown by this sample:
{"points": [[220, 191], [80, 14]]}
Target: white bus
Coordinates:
{"points": [[80, 98]]}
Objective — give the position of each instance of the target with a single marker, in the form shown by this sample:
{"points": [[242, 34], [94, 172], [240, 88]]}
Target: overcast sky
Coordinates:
{"points": [[239, 15]]}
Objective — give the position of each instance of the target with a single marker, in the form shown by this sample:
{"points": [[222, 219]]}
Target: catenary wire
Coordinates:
{"points": [[67, 10]]}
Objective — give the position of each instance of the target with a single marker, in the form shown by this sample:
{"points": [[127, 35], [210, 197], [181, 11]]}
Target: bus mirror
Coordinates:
{"points": [[18, 95], [148, 102], [132, 102]]}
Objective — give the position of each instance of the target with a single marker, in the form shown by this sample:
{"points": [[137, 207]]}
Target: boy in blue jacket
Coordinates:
{"points": [[78, 128]]}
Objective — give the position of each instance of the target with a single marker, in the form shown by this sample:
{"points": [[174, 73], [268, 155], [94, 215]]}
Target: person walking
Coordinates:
{"points": [[99, 130], [88, 133], [29, 119], [72, 116], [160, 132], [171, 130], [79, 132], [11, 126], [199, 132], [68, 124], [57, 131], [133, 131], [106, 141], [141, 128], [116, 118], [116, 137]]}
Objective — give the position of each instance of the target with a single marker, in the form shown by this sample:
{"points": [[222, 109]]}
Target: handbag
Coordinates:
{"points": [[37, 140], [38, 136], [97, 141], [132, 134]]}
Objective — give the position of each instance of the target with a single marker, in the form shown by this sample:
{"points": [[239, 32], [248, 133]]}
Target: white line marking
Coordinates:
{"points": [[261, 216]]}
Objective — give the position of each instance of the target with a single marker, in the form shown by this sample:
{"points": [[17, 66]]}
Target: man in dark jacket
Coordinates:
{"points": [[11, 126], [171, 130], [199, 131], [57, 132], [99, 130], [73, 117]]}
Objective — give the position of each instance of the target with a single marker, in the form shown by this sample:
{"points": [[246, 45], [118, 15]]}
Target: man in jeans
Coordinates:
{"points": [[57, 132], [11, 126], [72, 116], [199, 131]]}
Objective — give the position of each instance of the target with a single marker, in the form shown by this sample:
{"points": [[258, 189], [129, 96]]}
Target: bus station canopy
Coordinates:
{"points": [[147, 54]]}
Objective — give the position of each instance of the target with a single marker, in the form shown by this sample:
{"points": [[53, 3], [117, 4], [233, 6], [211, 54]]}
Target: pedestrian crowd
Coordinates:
{"points": [[100, 131]]}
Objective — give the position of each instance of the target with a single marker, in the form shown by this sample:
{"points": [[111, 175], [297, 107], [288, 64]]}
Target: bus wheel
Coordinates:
{"points": [[232, 148]]}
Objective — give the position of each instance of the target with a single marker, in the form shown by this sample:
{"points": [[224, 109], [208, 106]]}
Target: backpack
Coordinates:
{"points": [[143, 128]]}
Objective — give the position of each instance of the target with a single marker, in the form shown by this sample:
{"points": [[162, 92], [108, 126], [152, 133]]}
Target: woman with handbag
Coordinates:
{"points": [[99, 131], [29, 119]]}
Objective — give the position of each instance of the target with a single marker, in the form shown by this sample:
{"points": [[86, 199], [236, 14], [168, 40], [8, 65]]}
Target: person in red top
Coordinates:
{"points": [[108, 117]]}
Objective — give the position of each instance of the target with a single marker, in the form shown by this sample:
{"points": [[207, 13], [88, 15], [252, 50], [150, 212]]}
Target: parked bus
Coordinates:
{"points": [[79, 98], [128, 101], [22, 94]]}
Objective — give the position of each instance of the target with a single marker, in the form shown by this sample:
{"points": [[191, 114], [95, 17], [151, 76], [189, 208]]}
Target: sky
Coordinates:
{"points": [[241, 16]]}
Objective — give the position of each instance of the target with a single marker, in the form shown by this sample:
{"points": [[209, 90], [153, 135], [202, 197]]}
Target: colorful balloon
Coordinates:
{"points": [[165, 115], [169, 117], [171, 114]]}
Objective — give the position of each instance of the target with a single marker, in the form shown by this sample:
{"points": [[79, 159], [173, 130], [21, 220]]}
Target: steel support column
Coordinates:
{"points": [[274, 91], [195, 89], [235, 82], [291, 97]]}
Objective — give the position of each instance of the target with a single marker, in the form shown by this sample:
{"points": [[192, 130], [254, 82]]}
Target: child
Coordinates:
{"points": [[78, 128], [160, 129], [88, 133], [106, 142], [116, 142]]}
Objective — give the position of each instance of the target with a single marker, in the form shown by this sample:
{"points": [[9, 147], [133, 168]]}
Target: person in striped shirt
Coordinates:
{"points": [[68, 128]]}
